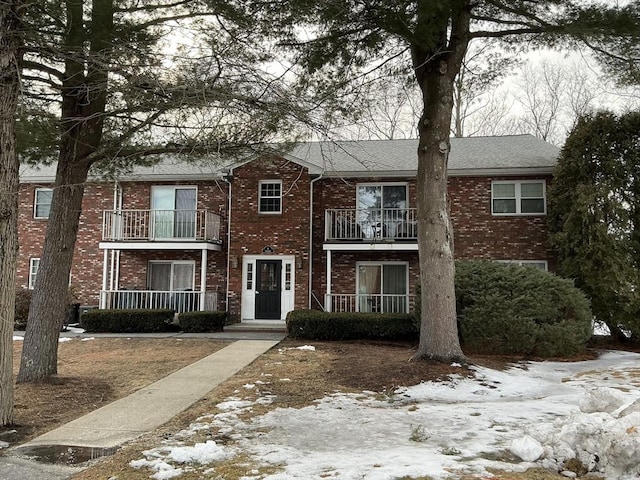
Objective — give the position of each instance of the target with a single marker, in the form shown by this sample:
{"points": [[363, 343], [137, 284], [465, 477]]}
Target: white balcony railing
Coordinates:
{"points": [[167, 225], [371, 224], [376, 303], [180, 301]]}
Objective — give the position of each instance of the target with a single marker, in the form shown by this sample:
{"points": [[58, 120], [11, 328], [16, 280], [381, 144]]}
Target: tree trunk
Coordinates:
{"points": [[84, 95], [438, 325], [10, 52], [436, 70], [51, 292]]}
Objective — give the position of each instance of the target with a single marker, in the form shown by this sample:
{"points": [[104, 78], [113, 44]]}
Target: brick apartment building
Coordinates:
{"points": [[325, 225]]}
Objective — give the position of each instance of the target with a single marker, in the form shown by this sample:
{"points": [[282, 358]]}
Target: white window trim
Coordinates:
{"points": [[174, 188], [518, 198], [260, 197], [32, 274], [35, 201], [525, 262], [381, 263], [173, 262], [383, 184]]}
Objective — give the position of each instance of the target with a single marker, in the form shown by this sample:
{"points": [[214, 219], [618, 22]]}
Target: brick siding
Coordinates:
{"points": [[478, 234]]}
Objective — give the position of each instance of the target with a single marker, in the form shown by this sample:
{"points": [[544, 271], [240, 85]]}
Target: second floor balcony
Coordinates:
{"points": [[161, 225], [371, 225]]}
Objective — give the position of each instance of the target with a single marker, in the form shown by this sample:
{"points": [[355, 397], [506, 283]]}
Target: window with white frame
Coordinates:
{"points": [[270, 196], [34, 263], [381, 207], [382, 287], [171, 276], [539, 264], [42, 202], [523, 197], [174, 211]]}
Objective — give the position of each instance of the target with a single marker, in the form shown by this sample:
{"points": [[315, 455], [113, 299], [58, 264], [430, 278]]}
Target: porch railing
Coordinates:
{"points": [[168, 225], [376, 303], [180, 301], [371, 224]]}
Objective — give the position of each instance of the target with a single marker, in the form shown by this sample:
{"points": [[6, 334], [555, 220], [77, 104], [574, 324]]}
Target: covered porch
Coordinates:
{"points": [[172, 276]]}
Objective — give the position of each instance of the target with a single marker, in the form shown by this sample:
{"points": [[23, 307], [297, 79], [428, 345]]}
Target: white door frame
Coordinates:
{"points": [[248, 301]]}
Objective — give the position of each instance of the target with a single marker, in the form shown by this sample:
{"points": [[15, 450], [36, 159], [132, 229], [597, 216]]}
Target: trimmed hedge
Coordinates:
{"points": [[128, 321], [195, 322], [519, 309], [23, 301], [317, 325]]}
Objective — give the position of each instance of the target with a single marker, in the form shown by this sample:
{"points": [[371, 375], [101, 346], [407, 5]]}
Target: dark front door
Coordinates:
{"points": [[268, 289]]}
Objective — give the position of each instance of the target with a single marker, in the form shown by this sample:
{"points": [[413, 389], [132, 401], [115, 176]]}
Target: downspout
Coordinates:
{"points": [[313, 180], [228, 182], [118, 206]]}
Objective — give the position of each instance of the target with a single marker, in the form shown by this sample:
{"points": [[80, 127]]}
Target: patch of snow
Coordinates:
{"points": [[18, 338], [87, 339], [545, 414], [64, 339], [4, 444], [75, 329], [527, 448]]}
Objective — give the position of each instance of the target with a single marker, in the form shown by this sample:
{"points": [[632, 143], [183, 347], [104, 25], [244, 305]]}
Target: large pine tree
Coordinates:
{"points": [[594, 217], [104, 65], [339, 41]]}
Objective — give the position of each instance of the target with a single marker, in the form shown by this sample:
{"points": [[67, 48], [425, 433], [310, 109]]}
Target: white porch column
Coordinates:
{"points": [[105, 272], [203, 279], [327, 300]]}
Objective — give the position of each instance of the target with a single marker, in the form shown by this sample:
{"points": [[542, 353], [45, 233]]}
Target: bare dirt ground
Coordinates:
{"points": [[92, 373]]}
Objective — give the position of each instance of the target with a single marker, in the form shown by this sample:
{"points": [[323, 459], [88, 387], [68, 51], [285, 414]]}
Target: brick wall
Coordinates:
{"points": [[285, 234], [477, 233], [86, 273]]}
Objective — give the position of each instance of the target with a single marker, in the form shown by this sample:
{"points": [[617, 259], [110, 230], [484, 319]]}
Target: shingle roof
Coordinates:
{"points": [[509, 153], [470, 155]]}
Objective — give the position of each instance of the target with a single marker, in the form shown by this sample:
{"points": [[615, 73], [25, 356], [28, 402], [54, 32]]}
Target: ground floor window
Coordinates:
{"points": [[34, 263], [382, 287], [540, 264], [171, 275]]}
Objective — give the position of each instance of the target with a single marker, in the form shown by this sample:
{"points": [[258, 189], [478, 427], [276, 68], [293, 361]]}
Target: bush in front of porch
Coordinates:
{"points": [[198, 322], [317, 325], [128, 321]]}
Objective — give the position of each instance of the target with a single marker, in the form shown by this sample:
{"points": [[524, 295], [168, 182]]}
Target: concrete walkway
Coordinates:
{"points": [[143, 411]]}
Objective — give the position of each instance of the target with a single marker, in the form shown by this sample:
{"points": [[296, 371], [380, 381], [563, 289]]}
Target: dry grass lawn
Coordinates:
{"points": [[92, 373], [95, 372]]}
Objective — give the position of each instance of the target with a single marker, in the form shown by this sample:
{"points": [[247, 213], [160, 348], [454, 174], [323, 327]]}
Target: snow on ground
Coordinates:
{"points": [[541, 413]]}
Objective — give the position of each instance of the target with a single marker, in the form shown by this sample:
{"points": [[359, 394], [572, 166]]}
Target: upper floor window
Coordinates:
{"points": [[42, 202], [34, 263], [382, 208], [523, 197], [174, 211], [270, 196]]}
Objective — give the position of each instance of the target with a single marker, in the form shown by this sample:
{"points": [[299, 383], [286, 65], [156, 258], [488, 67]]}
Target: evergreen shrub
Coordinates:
{"points": [[520, 309], [196, 322], [317, 325], [23, 300], [128, 321]]}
